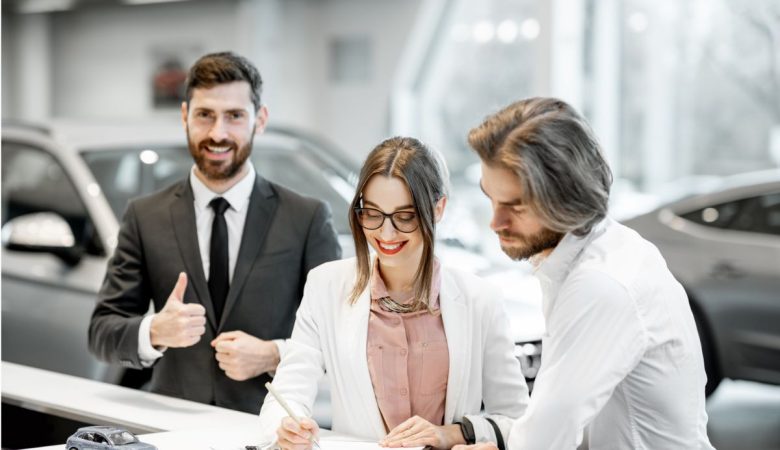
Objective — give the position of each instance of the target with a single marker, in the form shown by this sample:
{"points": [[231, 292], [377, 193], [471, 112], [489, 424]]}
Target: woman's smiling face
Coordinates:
{"points": [[393, 248]]}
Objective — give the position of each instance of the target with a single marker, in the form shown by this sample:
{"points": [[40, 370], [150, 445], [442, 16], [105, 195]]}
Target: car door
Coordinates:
{"points": [[47, 300], [740, 288]]}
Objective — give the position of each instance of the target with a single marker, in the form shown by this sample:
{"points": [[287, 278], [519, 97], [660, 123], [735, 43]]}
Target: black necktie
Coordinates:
{"points": [[218, 266]]}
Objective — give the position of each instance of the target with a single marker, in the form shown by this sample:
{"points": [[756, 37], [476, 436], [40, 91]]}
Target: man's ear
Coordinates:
{"points": [[438, 210], [261, 120], [184, 109]]}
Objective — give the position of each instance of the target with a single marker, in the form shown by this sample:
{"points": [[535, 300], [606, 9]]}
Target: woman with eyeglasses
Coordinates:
{"points": [[412, 348]]}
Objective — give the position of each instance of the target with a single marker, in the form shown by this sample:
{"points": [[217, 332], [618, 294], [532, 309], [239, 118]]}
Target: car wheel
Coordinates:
{"points": [[73, 448], [714, 376]]}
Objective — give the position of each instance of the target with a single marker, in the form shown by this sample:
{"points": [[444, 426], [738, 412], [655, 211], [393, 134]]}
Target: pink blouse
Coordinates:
{"points": [[408, 359]]}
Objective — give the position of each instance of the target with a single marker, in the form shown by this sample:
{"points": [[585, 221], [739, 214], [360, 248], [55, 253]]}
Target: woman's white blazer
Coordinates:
{"points": [[330, 336]]}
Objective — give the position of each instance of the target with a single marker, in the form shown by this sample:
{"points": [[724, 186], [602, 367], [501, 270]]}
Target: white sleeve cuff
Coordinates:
{"points": [[281, 346], [146, 352]]}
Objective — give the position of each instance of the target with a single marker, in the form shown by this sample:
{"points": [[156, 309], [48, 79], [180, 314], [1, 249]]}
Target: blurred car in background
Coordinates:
{"points": [[723, 245], [64, 186], [63, 189]]}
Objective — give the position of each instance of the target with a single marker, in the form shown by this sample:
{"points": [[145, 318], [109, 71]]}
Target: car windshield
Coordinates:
{"points": [[122, 438], [126, 173]]}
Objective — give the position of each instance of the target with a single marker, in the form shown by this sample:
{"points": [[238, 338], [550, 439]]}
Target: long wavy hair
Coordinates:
{"points": [[557, 158], [425, 175]]}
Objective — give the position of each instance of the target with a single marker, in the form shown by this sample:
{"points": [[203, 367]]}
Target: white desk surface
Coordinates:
{"points": [[223, 438], [102, 403], [172, 423]]}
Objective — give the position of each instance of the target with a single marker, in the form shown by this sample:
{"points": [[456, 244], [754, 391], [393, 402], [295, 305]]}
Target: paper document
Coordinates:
{"points": [[334, 443], [327, 444]]}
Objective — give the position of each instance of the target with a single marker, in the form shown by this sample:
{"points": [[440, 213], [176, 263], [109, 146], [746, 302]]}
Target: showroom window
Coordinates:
{"points": [[673, 89]]}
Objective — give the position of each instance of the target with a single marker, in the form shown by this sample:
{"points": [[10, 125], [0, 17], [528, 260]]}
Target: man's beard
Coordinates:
{"points": [[219, 170], [530, 245]]}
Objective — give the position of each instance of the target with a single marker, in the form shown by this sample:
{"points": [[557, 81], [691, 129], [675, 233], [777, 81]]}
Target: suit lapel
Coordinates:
{"points": [[458, 330], [185, 229], [260, 213]]}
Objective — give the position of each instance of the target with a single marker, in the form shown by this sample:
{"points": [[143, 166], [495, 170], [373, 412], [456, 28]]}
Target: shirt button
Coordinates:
{"points": [[403, 352], [424, 344], [404, 392], [397, 321]]}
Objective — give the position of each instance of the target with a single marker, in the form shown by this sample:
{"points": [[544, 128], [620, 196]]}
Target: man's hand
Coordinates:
{"points": [[417, 431], [178, 324], [243, 356], [291, 436], [486, 446]]}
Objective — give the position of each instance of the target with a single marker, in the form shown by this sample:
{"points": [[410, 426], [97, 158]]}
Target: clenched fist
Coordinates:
{"points": [[178, 324], [243, 356]]}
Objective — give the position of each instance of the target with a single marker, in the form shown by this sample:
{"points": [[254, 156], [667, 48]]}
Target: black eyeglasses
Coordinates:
{"points": [[372, 219]]}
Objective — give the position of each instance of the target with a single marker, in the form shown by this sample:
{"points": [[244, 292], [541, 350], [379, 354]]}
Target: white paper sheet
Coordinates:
{"points": [[338, 444], [327, 444]]}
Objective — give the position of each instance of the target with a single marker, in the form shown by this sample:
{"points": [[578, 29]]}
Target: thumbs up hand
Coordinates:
{"points": [[178, 324]]}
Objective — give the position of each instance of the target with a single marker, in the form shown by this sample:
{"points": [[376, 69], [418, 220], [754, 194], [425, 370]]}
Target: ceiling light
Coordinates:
{"points": [[507, 31], [530, 29], [483, 32], [148, 2]]}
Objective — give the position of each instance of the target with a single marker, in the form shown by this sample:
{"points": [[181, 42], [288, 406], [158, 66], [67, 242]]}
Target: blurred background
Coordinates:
{"points": [[683, 94]]}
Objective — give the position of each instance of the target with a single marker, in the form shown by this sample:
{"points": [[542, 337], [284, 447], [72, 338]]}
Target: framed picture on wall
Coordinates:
{"points": [[169, 73]]}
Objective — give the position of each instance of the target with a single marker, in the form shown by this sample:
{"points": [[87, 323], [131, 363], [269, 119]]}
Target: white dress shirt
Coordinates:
{"points": [[235, 218], [621, 358]]}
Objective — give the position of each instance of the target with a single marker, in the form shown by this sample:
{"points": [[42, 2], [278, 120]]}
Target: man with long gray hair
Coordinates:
{"points": [[622, 362]]}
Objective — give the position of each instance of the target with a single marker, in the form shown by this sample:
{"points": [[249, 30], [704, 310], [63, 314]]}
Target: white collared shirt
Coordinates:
{"points": [[621, 355], [235, 217]]}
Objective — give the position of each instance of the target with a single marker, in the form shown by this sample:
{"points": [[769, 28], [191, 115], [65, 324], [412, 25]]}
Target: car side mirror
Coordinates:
{"points": [[43, 232]]}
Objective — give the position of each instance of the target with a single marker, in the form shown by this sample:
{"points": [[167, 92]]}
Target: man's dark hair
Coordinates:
{"points": [[224, 67]]}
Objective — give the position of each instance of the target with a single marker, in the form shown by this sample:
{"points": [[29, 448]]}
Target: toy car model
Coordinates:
{"points": [[105, 437]]}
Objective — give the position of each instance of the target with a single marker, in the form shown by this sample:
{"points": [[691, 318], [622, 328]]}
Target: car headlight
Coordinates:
{"points": [[530, 356]]}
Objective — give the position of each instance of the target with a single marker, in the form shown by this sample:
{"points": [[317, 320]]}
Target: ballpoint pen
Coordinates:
{"points": [[289, 410]]}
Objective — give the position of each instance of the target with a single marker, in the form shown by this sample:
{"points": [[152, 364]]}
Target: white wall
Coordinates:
{"points": [[8, 102], [26, 74], [101, 59], [357, 115]]}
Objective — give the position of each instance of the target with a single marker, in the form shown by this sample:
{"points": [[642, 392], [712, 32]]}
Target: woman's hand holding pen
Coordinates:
{"points": [[417, 432], [292, 436]]}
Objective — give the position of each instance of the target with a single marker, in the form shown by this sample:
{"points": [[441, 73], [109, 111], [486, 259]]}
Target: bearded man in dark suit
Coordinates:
{"points": [[222, 255]]}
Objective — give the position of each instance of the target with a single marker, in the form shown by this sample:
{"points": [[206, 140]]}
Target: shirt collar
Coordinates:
{"points": [[554, 268], [379, 289], [237, 196]]}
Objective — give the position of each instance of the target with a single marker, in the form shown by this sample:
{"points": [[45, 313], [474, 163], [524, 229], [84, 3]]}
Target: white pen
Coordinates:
{"points": [[289, 410]]}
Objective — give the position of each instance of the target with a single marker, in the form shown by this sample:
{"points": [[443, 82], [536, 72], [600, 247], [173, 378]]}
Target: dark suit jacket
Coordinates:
{"points": [[285, 236]]}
